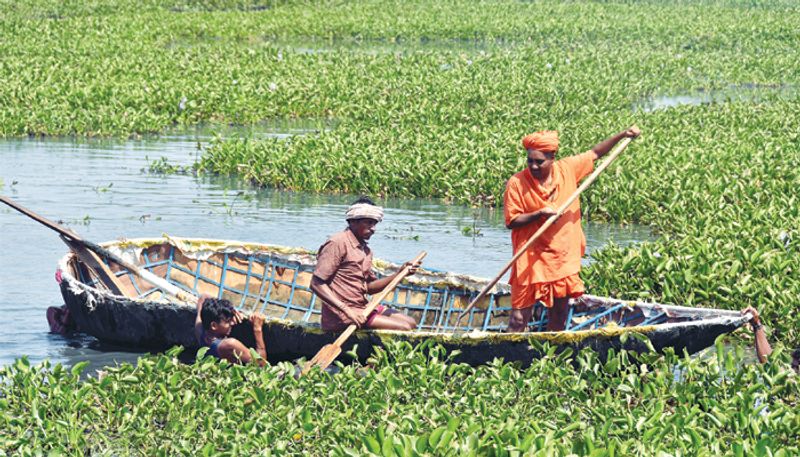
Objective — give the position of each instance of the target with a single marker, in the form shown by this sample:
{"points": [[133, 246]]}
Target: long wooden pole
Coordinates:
{"points": [[329, 352], [550, 221], [161, 283], [92, 260]]}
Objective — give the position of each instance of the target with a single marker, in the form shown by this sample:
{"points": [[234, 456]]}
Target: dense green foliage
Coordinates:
{"points": [[407, 404], [431, 99]]}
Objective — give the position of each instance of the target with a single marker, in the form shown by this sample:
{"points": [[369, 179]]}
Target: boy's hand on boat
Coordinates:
{"points": [[257, 319], [756, 320], [202, 300], [238, 317]]}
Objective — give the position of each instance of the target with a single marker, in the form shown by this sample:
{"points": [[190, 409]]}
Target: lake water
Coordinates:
{"points": [[730, 94], [102, 189]]}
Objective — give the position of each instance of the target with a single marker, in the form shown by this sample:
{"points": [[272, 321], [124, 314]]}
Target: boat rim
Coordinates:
{"points": [[713, 316]]}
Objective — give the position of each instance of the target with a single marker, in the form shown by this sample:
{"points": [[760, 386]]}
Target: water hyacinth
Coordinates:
{"points": [[431, 100], [408, 402]]}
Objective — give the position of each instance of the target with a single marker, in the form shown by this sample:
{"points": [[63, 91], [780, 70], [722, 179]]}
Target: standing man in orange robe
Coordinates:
{"points": [[548, 272]]}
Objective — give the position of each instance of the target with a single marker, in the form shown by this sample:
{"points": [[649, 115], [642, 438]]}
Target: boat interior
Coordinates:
{"points": [[277, 285]]}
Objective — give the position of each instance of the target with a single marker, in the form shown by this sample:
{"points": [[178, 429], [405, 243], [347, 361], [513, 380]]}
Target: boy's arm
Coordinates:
{"points": [[258, 331], [234, 351], [198, 320], [763, 348]]}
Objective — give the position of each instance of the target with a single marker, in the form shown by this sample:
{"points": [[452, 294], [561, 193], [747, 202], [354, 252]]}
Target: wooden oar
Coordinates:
{"points": [[550, 221], [76, 240], [91, 260], [329, 352]]}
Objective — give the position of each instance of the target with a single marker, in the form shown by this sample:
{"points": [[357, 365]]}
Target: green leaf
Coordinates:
{"points": [[78, 368], [372, 445], [387, 448], [422, 443], [436, 436], [453, 423]]}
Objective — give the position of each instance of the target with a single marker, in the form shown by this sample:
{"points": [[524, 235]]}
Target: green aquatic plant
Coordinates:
{"points": [[402, 234], [407, 401], [417, 117], [163, 166], [473, 230], [233, 202], [102, 189]]}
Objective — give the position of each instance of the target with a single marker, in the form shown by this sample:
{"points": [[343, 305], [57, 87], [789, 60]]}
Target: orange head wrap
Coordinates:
{"points": [[545, 141]]}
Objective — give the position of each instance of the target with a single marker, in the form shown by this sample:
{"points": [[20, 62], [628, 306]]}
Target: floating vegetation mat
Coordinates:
{"points": [[718, 181], [407, 402]]}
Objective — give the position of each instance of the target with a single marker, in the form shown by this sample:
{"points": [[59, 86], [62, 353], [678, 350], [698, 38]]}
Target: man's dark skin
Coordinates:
{"points": [[763, 348], [540, 165], [363, 229]]}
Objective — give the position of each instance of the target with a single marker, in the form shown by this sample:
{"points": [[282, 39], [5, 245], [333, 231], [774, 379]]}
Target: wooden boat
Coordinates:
{"points": [[275, 281]]}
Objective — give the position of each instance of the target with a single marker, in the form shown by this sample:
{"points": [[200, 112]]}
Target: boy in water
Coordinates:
{"points": [[212, 327]]}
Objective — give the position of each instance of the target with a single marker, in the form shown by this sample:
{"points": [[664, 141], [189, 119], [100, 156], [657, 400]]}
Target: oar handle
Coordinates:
{"points": [[376, 299], [42, 220], [550, 221], [138, 271]]}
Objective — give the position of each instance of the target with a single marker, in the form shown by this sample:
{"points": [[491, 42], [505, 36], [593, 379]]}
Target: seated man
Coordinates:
{"points": [[215, 319], [343, 276]]}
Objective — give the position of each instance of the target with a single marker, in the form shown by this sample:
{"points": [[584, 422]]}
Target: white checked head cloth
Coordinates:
{"points": [[364, 211]]}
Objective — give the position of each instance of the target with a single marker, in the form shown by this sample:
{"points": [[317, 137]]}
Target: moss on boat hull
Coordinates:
{"points": [[159, 325]]}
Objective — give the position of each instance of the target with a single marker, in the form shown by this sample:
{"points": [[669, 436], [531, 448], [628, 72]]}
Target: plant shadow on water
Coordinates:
{"points": [[268, 128]]}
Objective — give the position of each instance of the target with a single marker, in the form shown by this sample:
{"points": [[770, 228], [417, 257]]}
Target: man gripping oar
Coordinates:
{"points": [[343, 275], [548, 271]]}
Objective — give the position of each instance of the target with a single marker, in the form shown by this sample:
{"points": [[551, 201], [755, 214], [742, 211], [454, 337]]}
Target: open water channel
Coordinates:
{"points": [[103, 190]]}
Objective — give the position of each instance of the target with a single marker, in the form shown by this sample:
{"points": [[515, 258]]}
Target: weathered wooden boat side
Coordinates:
{"points": [[275, 281]]}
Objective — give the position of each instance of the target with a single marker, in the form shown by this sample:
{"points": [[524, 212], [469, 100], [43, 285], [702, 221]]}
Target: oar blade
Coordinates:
{"points": [[323, 359]]}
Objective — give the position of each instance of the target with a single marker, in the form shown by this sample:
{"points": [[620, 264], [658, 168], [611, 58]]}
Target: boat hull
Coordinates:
{"points": [[156, 325]]}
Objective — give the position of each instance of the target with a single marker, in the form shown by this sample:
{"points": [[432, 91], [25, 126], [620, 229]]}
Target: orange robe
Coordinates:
{"points": [[555, 257]]}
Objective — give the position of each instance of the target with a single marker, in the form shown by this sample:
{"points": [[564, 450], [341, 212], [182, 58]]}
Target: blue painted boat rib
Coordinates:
{"points": [[568, 325], [222, 276], [434, 307], [593, 322], [654, 319], [246, 291]]}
